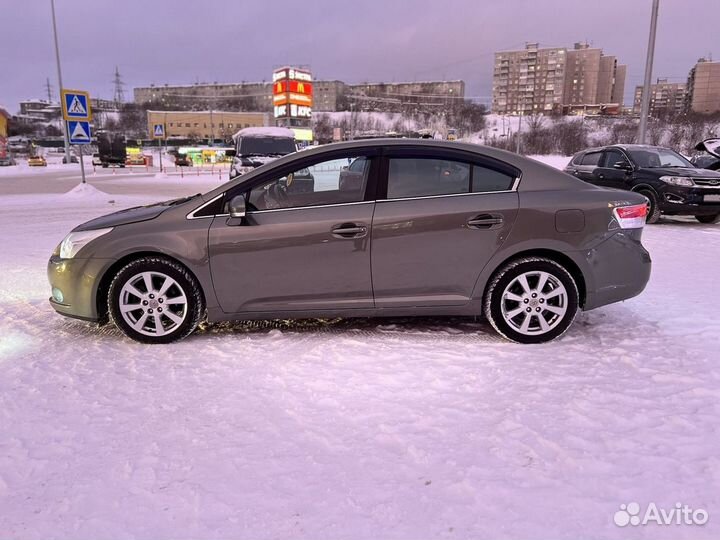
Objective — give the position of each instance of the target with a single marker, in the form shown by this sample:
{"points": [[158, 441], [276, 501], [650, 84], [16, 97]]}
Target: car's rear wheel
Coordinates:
{"points": [[653, 214], [713, 218], [155, 300], [532, 300]]}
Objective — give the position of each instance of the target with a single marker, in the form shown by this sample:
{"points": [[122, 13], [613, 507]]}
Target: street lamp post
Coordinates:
{"points": [[60, 83], [645, 106]]}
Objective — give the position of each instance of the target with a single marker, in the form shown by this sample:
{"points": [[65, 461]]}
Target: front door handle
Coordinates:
{"points": [[485, 221], [349, 230]]}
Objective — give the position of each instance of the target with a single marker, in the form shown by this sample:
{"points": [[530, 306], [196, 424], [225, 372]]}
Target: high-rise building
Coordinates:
{"points": [[703, 87], [665, 98], [529, 81], [543, 80]]}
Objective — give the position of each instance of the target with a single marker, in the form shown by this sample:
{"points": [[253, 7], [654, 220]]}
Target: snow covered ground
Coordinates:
{"points": [[360, 429]]}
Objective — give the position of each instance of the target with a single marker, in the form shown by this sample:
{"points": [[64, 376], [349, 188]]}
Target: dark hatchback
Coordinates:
{"points": [[671, 183]]}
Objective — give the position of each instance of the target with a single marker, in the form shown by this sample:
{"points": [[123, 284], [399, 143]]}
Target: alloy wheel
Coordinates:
{"points": [[153, 303], [534, 303]]}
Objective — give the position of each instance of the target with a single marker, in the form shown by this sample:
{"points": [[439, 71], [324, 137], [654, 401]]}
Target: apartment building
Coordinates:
{"points": [[703, 87], [544, 80], [401, 95], [665, 98], [529, 81], [328, 95]]}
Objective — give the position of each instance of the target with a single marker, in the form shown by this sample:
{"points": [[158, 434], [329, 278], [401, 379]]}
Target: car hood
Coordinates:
{"points": [[130, 215], [710, 146], [690, 172]]}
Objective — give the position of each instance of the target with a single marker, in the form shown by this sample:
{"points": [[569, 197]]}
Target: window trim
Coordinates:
{"points": [[372, 154], [446, 154]]}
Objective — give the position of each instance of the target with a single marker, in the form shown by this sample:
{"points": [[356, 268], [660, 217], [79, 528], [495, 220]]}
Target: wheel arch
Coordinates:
{"points": [[103, 288], [556, 256]]}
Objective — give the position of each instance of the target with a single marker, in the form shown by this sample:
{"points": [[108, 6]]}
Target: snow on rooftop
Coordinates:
{"points": [[268, 131]]}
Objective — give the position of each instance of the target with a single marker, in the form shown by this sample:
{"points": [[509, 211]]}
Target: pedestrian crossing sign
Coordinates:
{"points": [[79, 132], [158, 131], [76, 105]]}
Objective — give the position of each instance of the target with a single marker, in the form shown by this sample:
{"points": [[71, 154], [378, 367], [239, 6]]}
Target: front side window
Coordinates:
{"points": [[613, 157], [336, 181]]}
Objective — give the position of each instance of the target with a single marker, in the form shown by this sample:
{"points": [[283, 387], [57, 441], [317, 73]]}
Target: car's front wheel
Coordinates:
{"points": [[708, 219], [532, 300], [155, 300]]}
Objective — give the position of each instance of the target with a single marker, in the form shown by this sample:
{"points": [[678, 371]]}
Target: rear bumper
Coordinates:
{"points": [[74, 285], [620, 267]]}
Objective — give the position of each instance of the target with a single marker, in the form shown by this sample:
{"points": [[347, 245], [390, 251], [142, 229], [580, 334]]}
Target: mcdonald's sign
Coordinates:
{"points": [[292, 93]]}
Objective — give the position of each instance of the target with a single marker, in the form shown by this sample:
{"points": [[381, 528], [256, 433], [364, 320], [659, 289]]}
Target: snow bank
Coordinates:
{"points": [[86, 191]]}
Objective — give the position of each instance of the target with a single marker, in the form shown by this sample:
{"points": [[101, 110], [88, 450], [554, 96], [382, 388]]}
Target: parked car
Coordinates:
{"points": [[7, 161], [432, 228], [183, 160], [256, 146], [37, 161], [672, 185], [96, 161], [710, 160], [135, 159], [73, 159]]}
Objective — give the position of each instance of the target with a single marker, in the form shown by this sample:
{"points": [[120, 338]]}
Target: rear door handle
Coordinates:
{"points": [[485, 221], [349, 230]]}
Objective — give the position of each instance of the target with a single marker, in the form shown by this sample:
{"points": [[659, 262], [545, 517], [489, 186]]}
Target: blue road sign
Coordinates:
{"points": [[76, 105], [158, 131], [79, 132]]}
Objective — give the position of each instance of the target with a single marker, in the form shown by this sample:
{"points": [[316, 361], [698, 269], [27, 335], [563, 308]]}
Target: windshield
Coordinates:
{"points": [[654, 158], [266, 146]]}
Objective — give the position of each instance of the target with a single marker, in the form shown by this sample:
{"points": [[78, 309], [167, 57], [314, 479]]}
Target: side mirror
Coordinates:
{"points": [[623, 166], [231, 152], [238, 207]]}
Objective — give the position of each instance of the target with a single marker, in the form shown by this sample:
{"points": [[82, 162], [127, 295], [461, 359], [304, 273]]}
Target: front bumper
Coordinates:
{"points": [[77, 280], [620, 267], [689, 201]]}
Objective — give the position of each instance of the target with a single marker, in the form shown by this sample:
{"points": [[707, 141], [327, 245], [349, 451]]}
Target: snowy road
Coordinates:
{"points": [[355, 429]]}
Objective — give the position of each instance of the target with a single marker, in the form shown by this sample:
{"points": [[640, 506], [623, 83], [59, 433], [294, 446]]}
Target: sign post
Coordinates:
{"points": [[158, 133], [77, 114]]}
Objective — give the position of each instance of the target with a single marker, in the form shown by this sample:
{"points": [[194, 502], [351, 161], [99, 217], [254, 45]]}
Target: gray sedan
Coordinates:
{"points": [[388, 228]]}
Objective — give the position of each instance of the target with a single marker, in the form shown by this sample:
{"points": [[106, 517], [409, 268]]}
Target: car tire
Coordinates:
{"points": [[653, 215], [516, 288], [713, 218], [172, 302]]}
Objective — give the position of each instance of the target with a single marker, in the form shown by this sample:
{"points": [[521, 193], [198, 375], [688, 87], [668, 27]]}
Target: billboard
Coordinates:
{"points": [[292, 93]]}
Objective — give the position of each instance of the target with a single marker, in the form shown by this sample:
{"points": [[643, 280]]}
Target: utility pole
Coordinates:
{"points": [[645, 107], [60, 83]]}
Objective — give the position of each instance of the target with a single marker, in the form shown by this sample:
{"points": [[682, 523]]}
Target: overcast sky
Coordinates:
{"points": [[182, 41]]}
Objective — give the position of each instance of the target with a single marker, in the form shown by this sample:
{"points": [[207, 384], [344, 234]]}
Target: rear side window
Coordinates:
{"points": [[422, 177], [591, 158], [484, 179]]}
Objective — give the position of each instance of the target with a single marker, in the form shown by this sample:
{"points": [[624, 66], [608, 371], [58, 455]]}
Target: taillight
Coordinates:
{"points": [[631, 217]]}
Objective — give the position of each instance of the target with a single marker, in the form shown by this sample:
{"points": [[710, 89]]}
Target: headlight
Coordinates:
{"points": [[244, 170], [683, 181], [75, 241]]}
